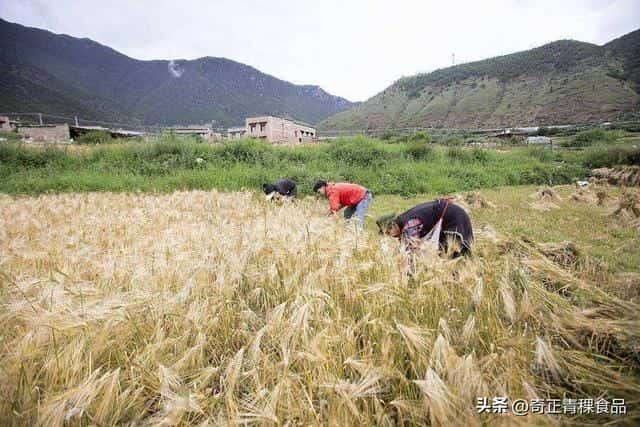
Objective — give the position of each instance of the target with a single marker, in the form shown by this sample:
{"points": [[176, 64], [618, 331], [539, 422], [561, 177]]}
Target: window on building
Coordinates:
{"points": [[253, 128], [262, 126]]}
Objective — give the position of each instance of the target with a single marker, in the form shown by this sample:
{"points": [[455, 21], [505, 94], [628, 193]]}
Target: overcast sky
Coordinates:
{"points": [[352, 48]]}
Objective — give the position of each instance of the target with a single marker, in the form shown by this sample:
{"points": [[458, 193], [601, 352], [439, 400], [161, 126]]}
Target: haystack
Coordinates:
{"points": [[602, 197], [545, 198], [628, 209], [474, 199], [623, 175], [546, 193], [584, 196]]}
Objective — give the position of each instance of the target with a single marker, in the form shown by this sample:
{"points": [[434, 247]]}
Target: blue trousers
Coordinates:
{"points": [[360, 209]]}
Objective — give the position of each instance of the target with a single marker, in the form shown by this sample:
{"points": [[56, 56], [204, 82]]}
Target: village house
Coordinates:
{"points": [[5, 124], [278, 130], [201, 131], [45, 133], [236, 132]]}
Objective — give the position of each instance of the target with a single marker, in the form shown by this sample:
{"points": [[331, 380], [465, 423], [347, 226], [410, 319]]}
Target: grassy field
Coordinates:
{"points": [[216, 308], [406, 169]]}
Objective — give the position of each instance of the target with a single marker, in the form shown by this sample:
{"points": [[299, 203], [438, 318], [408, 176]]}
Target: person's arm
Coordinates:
{"points": [[334, 202], [411, 235]]}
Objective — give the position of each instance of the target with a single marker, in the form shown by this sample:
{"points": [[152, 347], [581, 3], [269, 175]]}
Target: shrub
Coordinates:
{"points": [[459, 154], [592, 136], [358, 152], [387, 136], [454, 141], [421, 137], [246, 151], [540, 153], [401, 139], [9, 136], [16, 156], [598, 157], [95, 137], [480, 155], [419, 150]]}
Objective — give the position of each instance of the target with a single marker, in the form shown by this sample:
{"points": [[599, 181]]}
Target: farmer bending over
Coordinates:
{"points": [[438, 221], [354, 197], [284, 188]]}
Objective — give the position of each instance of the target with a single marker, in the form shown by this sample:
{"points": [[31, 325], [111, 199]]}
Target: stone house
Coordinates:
{"points": [[277, 130]]}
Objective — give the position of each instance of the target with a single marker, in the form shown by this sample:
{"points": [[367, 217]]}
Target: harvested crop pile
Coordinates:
{"points": [[546, 193], [624, 175], [628, 209], [475, 199], [584, 196], [206, 308], [601, 196], [544, 199], [564, 253]]}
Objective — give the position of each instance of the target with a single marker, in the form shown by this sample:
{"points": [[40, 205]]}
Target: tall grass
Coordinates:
{"points": [[170, 163], [214, 308]]}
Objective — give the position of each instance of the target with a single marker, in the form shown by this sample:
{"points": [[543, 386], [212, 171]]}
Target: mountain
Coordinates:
{"points": [[59, 74], [561, 82]]}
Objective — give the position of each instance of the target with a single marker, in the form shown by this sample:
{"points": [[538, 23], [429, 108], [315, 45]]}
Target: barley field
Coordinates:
{"points": [[214, 308]]}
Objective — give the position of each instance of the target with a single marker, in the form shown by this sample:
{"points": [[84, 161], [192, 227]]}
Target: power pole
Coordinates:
{"points": [[453, 58], [76, 117], [40, 117]]}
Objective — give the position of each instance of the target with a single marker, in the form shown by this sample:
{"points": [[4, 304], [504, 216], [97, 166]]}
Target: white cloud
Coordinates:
{"points": [[174, 69], [352, 49]]}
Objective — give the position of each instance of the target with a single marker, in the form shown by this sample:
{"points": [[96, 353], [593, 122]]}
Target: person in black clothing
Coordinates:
{"points": [[283, 188], [421, 220]]}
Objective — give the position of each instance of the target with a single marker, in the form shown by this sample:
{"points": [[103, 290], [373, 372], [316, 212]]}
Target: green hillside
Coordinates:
{"points": [[59, 74], [561, 82]]}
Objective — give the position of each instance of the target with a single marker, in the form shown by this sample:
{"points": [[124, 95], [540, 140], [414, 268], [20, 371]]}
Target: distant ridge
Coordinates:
{"points": [[561, 82], [59, 74]]}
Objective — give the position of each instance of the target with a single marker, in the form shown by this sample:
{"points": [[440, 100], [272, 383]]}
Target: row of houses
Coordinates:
{"points": [[275, 130]]}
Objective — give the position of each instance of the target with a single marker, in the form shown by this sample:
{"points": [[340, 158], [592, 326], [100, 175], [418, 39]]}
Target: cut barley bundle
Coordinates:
{"points": [[544, 199], [565, 254], [546, 193], [602, 196], [623, 175], [475, 199], [584, 196], [628, 209]]}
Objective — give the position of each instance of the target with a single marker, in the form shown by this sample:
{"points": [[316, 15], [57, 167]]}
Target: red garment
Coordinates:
{"points": [[344, 194]]}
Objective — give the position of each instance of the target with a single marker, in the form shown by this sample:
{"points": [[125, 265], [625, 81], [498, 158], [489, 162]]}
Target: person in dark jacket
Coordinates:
{"points": [[283, 188], [421, 222]]}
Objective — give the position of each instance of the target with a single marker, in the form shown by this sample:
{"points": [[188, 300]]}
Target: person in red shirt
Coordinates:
{"points": [[354, 197]]}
